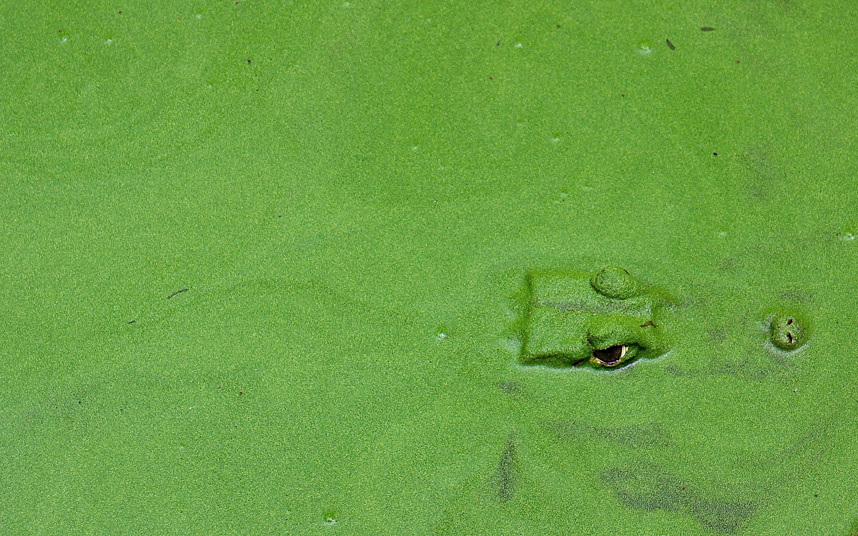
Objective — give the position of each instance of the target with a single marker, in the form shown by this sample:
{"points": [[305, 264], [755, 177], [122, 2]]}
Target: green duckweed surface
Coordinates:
{"points": [[260, 262]]}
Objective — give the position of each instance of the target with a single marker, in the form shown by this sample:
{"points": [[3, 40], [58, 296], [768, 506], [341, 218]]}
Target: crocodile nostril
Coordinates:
{"points": [[611, 356], [787, 331]]}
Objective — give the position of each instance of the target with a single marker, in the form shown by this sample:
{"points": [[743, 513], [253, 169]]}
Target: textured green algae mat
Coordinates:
{"points": [[351, 193]]}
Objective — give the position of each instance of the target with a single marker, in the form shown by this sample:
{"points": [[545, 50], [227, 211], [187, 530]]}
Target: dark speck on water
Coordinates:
{"points": [[510, 388], [177, 292], [669, 44], [707, 29]]}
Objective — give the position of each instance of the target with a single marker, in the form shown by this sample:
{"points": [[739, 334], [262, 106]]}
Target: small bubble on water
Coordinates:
{"points": [[330, 518], [519, 45], [644, 47]]}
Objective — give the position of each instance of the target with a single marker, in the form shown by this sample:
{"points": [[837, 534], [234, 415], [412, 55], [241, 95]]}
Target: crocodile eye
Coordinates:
{"points": [[615, 282], [604, 319], [611, 356]]}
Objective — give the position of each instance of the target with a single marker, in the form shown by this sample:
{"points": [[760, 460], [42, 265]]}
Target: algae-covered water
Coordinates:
{"points": [[265, 267]]}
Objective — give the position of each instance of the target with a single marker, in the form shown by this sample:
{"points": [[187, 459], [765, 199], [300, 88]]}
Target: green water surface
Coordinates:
{"points": [[261, 259]]}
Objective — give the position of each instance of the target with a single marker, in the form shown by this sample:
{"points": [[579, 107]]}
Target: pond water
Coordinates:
{"points": [[264, 264]]}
